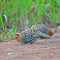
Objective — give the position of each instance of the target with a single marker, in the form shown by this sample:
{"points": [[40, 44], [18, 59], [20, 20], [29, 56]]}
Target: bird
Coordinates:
{"points": [[31, 34], [28, 38]]}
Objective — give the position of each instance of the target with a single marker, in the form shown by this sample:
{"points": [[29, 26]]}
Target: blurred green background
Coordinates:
{"points": [[22, 14]]}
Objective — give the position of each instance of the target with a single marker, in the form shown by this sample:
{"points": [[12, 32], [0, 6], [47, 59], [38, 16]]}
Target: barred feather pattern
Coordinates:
{"points": [[36, 31]]}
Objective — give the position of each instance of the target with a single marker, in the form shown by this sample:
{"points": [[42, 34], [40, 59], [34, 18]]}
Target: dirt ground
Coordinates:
{"points": [[45, 49]]}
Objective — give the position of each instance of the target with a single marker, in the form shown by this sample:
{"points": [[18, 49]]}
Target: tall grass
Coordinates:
{"points": [[18, 9], [28, 12], [1, 23]]}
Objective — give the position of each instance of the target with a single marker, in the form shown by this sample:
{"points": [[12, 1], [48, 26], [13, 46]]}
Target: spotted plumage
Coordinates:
{"points": [[31, 34]]}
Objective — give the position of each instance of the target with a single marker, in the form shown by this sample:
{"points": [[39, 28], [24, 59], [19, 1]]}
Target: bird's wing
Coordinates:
{"points": [[45, 35], [41, 35]]}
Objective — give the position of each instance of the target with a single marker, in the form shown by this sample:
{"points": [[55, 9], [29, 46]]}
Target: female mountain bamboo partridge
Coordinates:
{"points": [[36, 31]]}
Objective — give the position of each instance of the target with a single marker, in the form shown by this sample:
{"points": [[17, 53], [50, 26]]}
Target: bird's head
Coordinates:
{"points": [[18, 36], [51, 32]]}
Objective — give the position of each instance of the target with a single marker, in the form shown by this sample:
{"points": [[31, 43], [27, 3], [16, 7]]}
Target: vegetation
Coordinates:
{"points": [[28, 12]]}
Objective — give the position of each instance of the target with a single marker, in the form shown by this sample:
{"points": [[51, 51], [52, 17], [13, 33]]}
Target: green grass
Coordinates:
{"points": [[28, 10], [1, 22]]}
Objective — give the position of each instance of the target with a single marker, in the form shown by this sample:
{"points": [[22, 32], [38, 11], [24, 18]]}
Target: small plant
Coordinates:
{"points": [[10, 32], [1, 22], [2, 36]]}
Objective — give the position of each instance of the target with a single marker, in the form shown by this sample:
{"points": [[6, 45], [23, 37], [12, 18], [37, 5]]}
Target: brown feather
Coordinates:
{"points": [[50, 32]]}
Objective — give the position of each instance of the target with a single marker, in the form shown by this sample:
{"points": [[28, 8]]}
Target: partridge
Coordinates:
{"points": [[30, 35]]}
